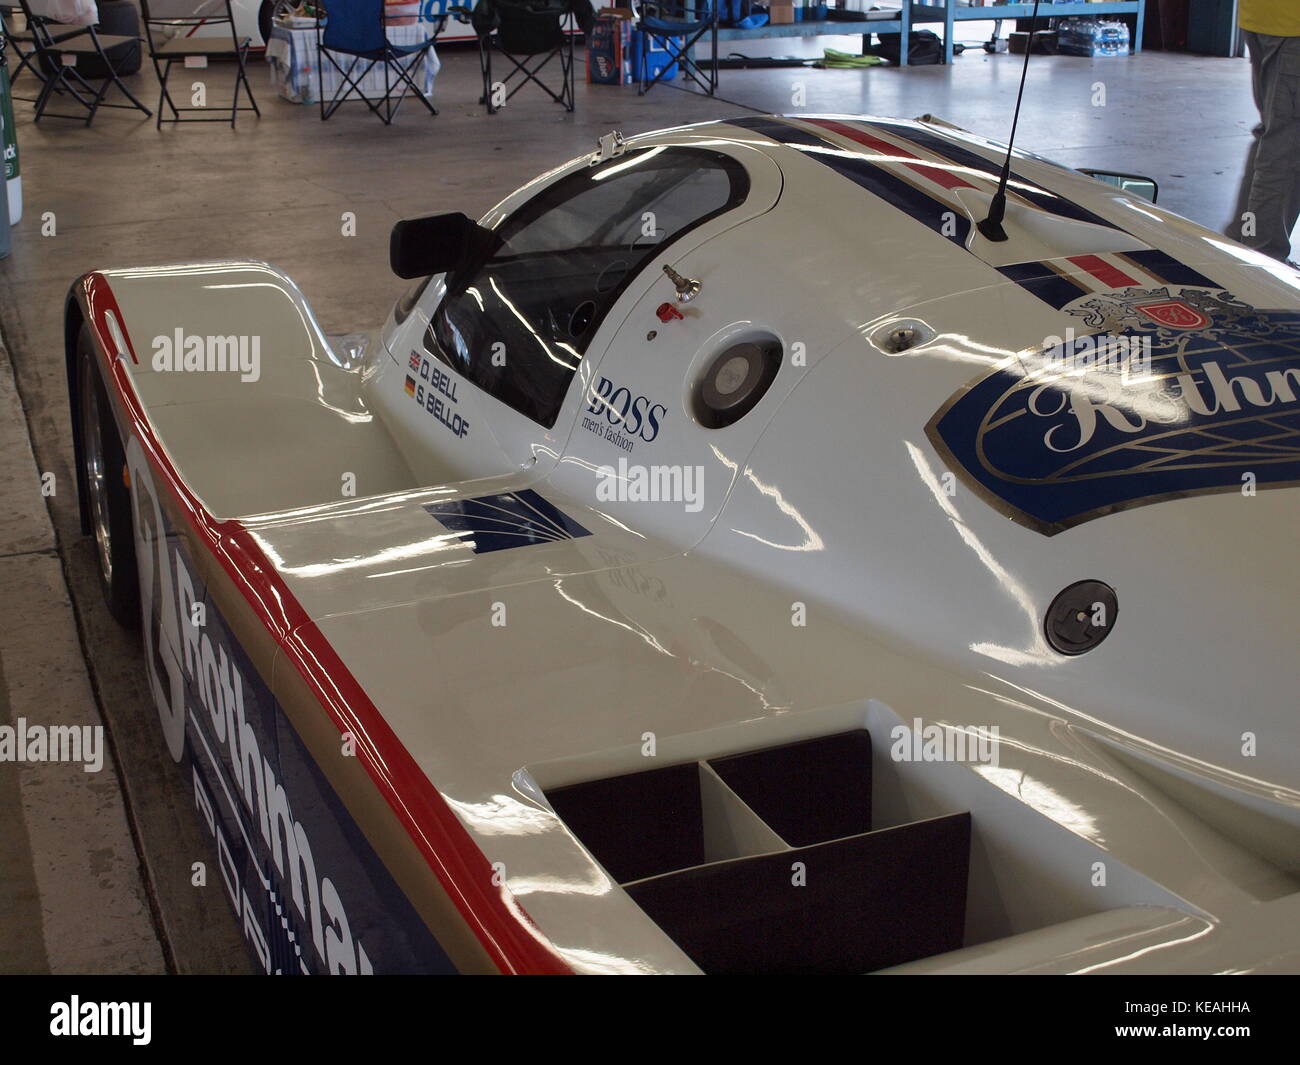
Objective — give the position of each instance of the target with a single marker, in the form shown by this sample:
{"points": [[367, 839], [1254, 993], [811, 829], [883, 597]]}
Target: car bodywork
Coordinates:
{"points": [[442, 636]]}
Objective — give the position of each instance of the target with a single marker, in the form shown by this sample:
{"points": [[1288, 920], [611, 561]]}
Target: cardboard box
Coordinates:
{"points": [[1044, 42], [609, 51], [780, 12], [401, 12]]}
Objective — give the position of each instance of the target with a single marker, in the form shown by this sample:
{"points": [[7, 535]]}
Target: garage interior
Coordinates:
{"points": [[99, 869]]}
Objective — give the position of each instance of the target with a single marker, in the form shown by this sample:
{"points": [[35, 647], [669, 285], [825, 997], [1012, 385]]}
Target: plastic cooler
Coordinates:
{"points": [[659, 55]]}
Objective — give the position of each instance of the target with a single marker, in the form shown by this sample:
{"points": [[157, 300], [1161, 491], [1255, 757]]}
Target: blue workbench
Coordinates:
{"points": [[947, 12]]}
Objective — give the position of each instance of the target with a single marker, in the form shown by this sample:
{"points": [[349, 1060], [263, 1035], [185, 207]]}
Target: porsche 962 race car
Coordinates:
{"points": [[728, 558]]}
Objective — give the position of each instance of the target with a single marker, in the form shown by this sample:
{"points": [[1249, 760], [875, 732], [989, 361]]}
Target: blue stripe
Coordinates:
{"points": [[508, 519], [929, 210], [1167, 268], [1035, 193], [1046, 284], [1035, 278]]}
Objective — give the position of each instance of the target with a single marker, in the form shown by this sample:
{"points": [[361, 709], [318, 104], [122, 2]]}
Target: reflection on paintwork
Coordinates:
{"points": [[1036, 792]]}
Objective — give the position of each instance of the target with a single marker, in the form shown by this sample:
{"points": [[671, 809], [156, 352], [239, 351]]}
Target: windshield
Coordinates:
{"points": [[519, 324]]}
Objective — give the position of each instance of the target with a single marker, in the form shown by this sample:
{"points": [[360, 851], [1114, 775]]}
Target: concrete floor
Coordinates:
{"points": [[105, 870]]}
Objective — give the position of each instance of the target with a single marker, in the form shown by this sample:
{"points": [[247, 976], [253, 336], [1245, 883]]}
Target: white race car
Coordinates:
{"points": [[728, 558]]}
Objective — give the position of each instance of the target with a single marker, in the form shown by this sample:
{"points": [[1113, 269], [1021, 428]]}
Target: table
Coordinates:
{"points": [[950, 12], [292, 56], [915, 14]]}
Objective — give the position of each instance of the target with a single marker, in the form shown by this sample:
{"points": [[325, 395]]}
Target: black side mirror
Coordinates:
{"points": [[1143, 187], [436, 244]]}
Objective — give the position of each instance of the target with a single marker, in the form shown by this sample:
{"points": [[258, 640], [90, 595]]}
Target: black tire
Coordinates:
{"points": [[108, 499], [264, 15]]}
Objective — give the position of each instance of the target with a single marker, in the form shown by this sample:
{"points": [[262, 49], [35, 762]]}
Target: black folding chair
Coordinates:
{"points": [[169, 26], [55, 42], [679, 25], [359, 29], [21, 44], [525, 31]]}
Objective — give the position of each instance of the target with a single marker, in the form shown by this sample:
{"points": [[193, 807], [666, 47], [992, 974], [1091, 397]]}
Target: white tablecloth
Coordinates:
{"points": [[293, 59], [69, 12]]}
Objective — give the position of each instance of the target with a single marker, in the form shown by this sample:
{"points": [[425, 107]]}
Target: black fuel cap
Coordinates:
{"points": [[1080, 617], [734, 383]]}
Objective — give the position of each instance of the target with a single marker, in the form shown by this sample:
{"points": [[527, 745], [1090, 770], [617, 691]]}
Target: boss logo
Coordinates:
{"points": [[633, 415]]}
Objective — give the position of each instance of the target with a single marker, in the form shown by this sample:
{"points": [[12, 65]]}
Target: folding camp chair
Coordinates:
{"points": [[359, 29], [21, 44], [169, 26], [524, 31], [678, 25], [55, 44]]}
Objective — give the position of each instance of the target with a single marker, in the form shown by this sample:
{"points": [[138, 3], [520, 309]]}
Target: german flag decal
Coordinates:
{"points": [[410, 386]]}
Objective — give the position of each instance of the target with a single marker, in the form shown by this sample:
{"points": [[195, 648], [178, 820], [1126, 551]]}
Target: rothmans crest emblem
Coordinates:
{"points": [[1157, 308], [1062, 434]]}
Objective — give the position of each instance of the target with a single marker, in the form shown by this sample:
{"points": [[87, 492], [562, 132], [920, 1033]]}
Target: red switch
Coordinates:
{"points": [[667, 312]]}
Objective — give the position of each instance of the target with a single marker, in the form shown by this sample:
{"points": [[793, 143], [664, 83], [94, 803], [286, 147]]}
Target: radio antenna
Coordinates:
{"points": [[991, 227]]}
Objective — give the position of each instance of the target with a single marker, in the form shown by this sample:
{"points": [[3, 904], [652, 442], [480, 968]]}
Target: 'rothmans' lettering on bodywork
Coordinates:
{"points": [[179, 650], [435, 392], [505, 520], [1219, 407]]}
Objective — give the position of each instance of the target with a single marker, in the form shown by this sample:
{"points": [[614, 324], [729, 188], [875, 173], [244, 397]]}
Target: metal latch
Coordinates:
{"points": [[610, 146], [687, 287]]}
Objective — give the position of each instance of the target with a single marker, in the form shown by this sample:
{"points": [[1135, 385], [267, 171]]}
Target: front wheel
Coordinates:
{"points": [[269, 12], [103, 462]]}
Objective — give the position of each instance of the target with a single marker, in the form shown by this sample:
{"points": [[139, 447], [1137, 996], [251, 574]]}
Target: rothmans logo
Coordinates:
{"points": [[1216, 406]]}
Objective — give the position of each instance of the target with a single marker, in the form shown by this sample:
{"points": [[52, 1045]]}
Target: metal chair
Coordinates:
{"points": [[524, 31], [679, 25], [359, 29], [54, 41], [169, 26], [22, 45]]}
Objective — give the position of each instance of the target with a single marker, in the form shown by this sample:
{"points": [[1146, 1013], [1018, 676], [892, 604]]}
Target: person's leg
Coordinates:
{"points": [[1254, 50], [1275, 188]]}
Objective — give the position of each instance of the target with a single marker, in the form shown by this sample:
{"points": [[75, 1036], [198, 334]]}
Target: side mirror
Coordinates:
{"points": [[1144, 188], [435, 244]]}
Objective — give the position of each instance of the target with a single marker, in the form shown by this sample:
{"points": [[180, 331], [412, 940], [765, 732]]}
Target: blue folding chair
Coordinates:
{"points": [[359, 29], [678, 25]]}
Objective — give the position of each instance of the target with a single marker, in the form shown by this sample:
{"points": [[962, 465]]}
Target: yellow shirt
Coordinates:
{"points": [[1278, 18]]}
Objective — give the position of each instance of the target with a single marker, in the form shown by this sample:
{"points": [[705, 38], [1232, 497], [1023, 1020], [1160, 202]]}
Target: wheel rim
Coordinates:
{"points": [[93, 448]]}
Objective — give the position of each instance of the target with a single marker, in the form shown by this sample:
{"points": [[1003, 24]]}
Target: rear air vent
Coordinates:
{"points": [[767, 862]]}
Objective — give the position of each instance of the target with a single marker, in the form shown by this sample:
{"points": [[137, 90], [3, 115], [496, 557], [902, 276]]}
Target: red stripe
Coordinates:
{"points": [[501, 925], [940, 175], [100, 298], [1110, 276]]}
